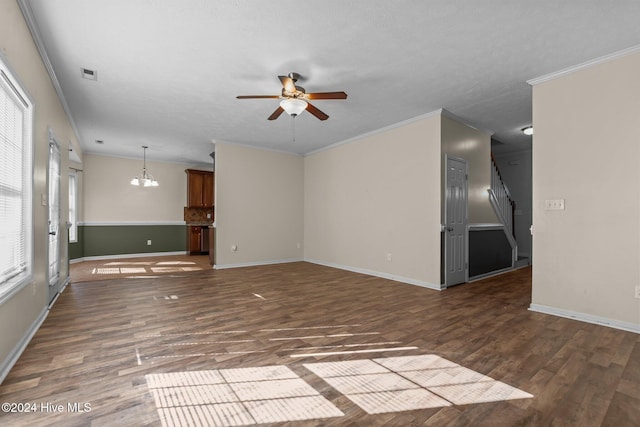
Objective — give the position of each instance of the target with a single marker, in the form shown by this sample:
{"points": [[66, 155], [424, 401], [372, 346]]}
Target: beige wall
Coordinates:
{"points": [[259, 206], [22, 311], [108, 195], [586, 150], [473, 145], [376, 196]]}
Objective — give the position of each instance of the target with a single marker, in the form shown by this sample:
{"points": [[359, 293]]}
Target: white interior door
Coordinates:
{"points": [[54, 218], [456, 222]]}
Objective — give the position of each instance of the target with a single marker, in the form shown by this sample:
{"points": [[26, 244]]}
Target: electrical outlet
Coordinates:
{"points": [[148, 242], [389, 256], [554, 205], [638, 291]]}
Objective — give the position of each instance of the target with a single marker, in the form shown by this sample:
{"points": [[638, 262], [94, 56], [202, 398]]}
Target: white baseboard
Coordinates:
{"points": [[588, 318], [491, 274], [257, 263], [17, 351], [338, 266], [388, 276], [120, 256]]}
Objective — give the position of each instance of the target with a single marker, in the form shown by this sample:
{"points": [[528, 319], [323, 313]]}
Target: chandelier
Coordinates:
{"points": [[144, 179]]}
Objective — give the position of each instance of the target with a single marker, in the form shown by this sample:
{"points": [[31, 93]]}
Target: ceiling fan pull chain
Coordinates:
{"points": [[293, 128]]}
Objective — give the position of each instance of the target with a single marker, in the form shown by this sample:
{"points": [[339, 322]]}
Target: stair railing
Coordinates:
{"points": [[506, 204], [503, 205]]}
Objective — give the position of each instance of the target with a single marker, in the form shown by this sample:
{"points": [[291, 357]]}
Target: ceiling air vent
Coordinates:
{"points": [[89, 74]]}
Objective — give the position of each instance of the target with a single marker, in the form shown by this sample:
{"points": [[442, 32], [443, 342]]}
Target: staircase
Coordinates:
{"points": [[503, 205]]}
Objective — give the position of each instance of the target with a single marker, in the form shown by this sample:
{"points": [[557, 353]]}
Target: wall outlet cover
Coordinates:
{"points": [[554, 205]]}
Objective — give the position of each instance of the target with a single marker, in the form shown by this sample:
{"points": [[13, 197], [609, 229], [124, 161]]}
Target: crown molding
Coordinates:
{"points": [[377, 131], [439, 112], [29, 18], [446, 113], [255, 147], [584, 65]]}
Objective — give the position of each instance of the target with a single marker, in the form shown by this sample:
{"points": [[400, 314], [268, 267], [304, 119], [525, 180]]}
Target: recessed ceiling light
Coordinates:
{"points": [[527, 130], [89, 74]]}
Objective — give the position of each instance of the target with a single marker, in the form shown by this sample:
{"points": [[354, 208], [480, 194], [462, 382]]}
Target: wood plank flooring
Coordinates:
{"points": [[107, 343]]}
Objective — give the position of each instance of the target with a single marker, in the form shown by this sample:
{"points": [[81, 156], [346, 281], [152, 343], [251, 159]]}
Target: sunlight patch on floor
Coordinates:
{"points": [[174, 269], [115, 263], [175, 263], [233, 397], [411, 382], [118, 270], [141, 270], [272, 394]]}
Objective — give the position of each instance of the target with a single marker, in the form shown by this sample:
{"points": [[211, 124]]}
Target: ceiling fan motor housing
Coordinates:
{"points": [[294, 76]]}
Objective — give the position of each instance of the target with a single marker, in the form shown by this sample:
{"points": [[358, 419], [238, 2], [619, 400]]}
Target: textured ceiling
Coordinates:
{"points": [[169, 70]]}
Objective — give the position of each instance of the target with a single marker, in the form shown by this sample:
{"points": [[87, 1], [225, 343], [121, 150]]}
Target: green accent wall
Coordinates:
{"points": [[103, 240], [76, 249]]}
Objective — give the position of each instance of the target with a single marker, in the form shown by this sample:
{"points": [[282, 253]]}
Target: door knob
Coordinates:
{"points": [[449, 228]]}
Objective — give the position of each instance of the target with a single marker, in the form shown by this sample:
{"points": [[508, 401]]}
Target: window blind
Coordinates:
{"points": [[15, 181]]}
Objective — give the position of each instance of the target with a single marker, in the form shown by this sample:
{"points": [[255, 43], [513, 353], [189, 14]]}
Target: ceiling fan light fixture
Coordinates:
{"points": [[293, 106]]}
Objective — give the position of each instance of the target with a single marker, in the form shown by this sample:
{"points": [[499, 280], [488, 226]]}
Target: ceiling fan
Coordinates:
{"points": [[295, 100]]}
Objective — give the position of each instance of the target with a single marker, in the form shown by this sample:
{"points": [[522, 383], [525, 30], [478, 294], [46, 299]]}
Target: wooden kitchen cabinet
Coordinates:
{"points": [[212, 245], [198, 214], [198, 240], [207, 190], [200, 186], [194, 240]]}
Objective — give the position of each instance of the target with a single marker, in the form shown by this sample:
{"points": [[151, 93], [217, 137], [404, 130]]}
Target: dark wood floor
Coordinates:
{"points": [[101, 339]]}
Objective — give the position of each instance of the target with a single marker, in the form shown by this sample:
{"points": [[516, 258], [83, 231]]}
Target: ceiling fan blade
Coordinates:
{"points": [[287, 83], [276, 113], [258, 96], [327, 95], [313, 110]]}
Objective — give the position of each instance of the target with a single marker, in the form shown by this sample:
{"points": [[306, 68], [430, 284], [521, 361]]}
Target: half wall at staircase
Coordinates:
{"points": [[487, 248]]}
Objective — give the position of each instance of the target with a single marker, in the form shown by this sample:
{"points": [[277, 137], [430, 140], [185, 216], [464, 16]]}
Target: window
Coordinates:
{"points": [[73, 210], [16, 223]]}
